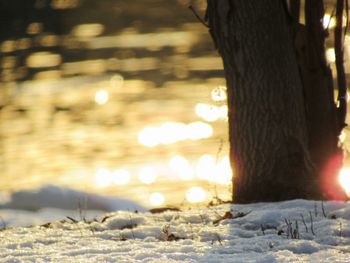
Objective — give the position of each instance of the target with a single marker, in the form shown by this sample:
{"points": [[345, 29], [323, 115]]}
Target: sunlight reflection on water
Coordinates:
{"points": [[129, 103]]}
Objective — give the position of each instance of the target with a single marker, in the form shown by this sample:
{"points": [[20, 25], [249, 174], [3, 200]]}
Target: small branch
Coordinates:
{"points": [[339, 63], [315, 209], [197, 16], [303, 220], [323, 209], [311, 224], [347, 17]]}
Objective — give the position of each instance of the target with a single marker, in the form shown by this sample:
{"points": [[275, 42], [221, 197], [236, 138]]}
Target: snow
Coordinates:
{"points": [[290, 231], [66, 198]]}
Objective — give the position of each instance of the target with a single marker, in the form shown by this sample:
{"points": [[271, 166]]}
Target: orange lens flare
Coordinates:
{"points": [[331, 186]]}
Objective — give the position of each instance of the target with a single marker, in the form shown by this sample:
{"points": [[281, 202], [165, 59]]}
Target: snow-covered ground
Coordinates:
{"points": [[291, 231]]}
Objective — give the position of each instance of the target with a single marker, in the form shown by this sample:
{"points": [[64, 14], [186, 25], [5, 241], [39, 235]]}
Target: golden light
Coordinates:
{"points": [[88, 30], [219, 94], [8, 46], [156, 199], [344, 179], [34, 28], [48, 74], [223, 111], [116, 81], [172, 132], [49, 40], [199, 130], [342, 136], [328, 21], [330, 55], [149, 136], [224, 172], [182, 167], [23, 43], [101, 97], [103, 177], [211, 113], [8, 62], [196, 194], [64, 4], [43, 59], [147, 175], [121, 177], [207, 112], [206, 167]]}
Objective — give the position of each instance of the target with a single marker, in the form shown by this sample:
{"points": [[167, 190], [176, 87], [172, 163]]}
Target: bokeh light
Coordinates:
{"points": [[101, 97], [156, 199], [224, 173], [103, 177], [211, 113], [196, 194], [43, 59], [116, 81], [149, 136], [121, 177], [87, 30], [182, 167], [206, 167], [173, 132], [199, 130], [219, 94], [147, 175], [330, 55]]}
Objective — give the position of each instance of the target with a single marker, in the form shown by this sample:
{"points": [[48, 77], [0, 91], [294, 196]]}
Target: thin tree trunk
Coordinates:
{"points": [[322, 122], [267, 124]]}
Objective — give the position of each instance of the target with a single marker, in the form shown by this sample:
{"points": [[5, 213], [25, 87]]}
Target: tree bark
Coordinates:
{"points": [[267, 120]]}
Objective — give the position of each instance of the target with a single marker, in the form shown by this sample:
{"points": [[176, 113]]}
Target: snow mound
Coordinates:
{"points": [[68, 199]]}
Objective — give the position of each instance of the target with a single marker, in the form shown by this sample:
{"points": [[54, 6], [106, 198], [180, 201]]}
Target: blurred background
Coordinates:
{"points": [[122, 98]]}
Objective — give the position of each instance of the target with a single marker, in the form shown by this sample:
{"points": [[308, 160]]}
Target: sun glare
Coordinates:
{"points": [[344, 180]]}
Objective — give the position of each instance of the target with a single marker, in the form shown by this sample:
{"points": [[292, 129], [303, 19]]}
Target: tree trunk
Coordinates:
{"points": [[267, 121], [323, 123]]}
